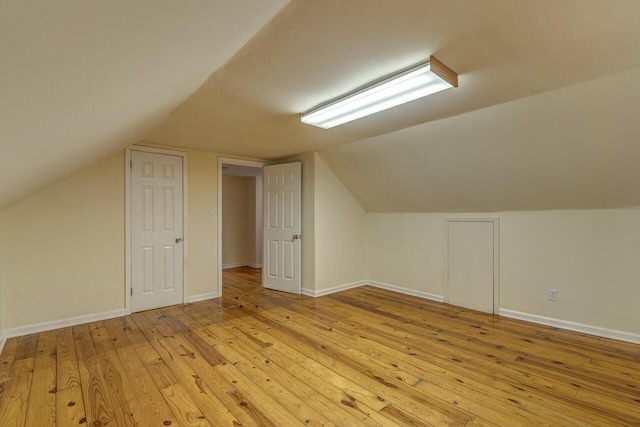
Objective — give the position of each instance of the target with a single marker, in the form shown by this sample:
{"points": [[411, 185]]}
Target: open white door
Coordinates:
{"points": [[282, 227], [156, 230]]}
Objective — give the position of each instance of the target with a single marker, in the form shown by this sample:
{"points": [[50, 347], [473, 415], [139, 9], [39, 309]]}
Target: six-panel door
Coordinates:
{"points": [[156, 230]]}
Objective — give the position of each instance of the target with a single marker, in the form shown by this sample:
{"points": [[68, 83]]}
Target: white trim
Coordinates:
{"points": [[127, 221], [143, 148], [572, 326], [224, 267], [127, 231], [333, 290], [496, 254], [352, 285], [227, 266], [202, 297], [406, 291], [3, 340], [62, 323], [230, 161]]}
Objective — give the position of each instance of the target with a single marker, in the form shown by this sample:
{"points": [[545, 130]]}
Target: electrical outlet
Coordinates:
{"points": [[553, 295]]}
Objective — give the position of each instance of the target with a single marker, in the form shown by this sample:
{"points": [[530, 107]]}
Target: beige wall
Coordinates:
{"points": [[238, 220], [202, 262], [340, 228], [589, 256], [64, 248], [333, 228], [407, 250]]}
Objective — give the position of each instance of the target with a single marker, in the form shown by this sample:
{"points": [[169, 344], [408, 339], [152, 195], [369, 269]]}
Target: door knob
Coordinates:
{"points": [[178, 239], [296, 237]]}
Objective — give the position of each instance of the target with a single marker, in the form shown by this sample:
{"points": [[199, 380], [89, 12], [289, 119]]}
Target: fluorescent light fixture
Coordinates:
{"points": [[412, 83]]}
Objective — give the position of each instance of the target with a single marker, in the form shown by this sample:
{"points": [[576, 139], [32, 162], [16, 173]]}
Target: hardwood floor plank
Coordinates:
{"points": [[201, 387], [537, 391], [126, 407], [425, 372], [357, 372], [97, 403], [237, 398], [361, 357], [69, 402], [42, 396], [317, 381], [6, 362], [295, 396], [417, 374], [378, 355], [174, 393], [153, 406], [14, 405], [13, 409]]}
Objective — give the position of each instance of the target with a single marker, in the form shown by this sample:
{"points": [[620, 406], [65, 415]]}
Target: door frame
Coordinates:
{"points": [[230, 161], [127, 221], [496, 254]]}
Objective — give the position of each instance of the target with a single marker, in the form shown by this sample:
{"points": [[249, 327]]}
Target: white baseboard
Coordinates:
{"points": [[394, 288], [224, 267], [62, 323], [406, 291], [572, 326], [202, 297], [3, 340], [334, 289]]}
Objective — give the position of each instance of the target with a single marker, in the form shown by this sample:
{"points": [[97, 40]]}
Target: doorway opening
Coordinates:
{"points": [[240, 223]]}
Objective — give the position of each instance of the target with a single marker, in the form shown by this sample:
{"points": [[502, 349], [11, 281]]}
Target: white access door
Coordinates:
{"points": [[282, 227], [471, 265], [156, 230]]}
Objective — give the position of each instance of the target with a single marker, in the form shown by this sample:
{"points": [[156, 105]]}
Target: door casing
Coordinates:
{"points": [[127, 222]]}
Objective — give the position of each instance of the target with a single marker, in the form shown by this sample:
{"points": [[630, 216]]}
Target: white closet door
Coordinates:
{"points": [[471, 264], [156, 230]]}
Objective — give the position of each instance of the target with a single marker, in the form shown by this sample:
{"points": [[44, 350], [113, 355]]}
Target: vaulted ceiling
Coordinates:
{"points": [[543, 116], [80, 80]]}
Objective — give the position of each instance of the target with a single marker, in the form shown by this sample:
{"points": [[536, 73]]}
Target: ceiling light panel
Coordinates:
{"points": [[416, 82]]}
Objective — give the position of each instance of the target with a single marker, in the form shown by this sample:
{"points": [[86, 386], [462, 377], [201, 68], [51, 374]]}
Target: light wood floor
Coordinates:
{"points": [[360, 357]]}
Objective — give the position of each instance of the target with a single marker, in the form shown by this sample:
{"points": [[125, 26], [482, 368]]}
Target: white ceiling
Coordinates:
{"points": [[80, 80], [572, 148], [316, 50]]}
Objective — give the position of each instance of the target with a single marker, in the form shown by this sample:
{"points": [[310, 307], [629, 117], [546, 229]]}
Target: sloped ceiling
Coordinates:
{"points": [[316, 50], [572, 148], [545, 116], [82, 79], [542, 118]]}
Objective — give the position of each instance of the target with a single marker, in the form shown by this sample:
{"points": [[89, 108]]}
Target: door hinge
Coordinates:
{"points": [[131, 289], [130, 164]]}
